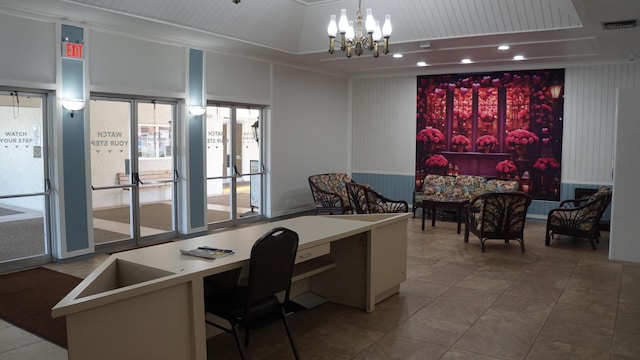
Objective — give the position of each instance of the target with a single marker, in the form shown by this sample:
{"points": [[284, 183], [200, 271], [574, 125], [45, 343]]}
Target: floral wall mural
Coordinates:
{"points": [[499, 125]]}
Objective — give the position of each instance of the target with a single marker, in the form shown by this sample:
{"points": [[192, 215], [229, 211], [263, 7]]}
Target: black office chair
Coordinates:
{"points": [[270, 272]]}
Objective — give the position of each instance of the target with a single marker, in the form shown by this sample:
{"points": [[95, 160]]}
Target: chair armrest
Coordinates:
{"points": [[573, 202], [392, 205], [328, 199]]}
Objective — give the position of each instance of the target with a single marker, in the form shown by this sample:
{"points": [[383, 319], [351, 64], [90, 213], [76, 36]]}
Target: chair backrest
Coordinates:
{"points": [[597, 204], [358, 197], [500, 185], [504, 213], [271, 264], [331, 183], [435, 185], [468, 186]]}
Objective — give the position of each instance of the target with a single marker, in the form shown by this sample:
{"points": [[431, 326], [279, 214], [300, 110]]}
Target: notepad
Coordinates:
{"points": [[208, 252]]}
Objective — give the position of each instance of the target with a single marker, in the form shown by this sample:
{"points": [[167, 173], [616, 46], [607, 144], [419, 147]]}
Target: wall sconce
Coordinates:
{"points": [[197, 110], [254, 128], [73, 105], [555, 90]]}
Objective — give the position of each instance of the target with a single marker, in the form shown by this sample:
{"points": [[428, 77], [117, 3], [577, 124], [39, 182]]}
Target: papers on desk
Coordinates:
{"points": [[208, 252]]}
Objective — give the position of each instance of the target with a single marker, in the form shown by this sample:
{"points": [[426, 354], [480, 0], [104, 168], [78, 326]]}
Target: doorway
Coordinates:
{"points": [[24, 175], [234, 164], [133, 174]]}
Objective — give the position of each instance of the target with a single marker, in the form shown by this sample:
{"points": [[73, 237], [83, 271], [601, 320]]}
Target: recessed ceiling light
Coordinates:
{"points": [[466, 61], [398, 56], [503, 47], [421, 63], [518, 57]]}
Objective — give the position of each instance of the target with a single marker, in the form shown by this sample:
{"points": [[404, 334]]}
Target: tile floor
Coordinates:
{"points": [[560, 302]]}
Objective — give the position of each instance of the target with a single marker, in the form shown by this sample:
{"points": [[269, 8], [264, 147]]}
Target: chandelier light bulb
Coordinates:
{"points": [[332, 29], [377, 33], [370, 22], [350, 31], [343, 24], [386, 27]]}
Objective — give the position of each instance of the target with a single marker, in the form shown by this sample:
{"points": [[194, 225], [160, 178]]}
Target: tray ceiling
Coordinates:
{"points": [[439, 32]]}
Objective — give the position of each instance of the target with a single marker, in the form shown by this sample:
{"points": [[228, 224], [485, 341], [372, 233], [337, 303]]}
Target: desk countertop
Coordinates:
{"points": [[163, 265]]}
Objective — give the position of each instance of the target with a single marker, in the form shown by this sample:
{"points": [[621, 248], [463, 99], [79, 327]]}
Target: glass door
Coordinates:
{"points": [[24, 194], [234, 165], [133, 181]]}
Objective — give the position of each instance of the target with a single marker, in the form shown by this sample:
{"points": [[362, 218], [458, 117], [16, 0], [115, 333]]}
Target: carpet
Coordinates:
{"points": [[26, 299]]}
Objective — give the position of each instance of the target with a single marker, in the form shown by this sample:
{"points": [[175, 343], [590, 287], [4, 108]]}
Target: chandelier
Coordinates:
{"points": [[355, 39]]}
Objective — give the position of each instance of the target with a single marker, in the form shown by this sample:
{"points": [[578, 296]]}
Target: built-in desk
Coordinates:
{"points": [[148, 303]]}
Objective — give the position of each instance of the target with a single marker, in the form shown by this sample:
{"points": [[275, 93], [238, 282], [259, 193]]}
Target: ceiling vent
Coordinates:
{"points": [[624, 24]]}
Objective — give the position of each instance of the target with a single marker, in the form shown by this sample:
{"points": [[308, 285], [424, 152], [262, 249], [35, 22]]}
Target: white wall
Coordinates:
{"points": [[624, 239], [589, 120], [384, 122], [127, 65], [28, 55], [308, 132], [238, 80]]}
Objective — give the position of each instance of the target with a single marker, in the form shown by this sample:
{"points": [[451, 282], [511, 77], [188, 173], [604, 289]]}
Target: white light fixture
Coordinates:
{"points": [[466, 61], [356, 38], [197, 110], [398, 56], [518, 57], [421, 63], [73, 104], [503, 47]]}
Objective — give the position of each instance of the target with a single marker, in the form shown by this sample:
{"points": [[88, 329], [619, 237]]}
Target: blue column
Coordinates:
{"points": [[197, 196], [73, 149]]}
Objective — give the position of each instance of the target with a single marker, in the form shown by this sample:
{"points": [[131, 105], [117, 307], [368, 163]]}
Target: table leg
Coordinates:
{"points": [[459, 215], [433, 215]]}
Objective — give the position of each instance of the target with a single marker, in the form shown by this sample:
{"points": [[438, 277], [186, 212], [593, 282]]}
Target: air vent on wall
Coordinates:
{"points": [[624, 24]]}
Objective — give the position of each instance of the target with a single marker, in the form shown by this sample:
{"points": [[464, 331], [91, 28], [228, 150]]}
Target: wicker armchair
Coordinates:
{"points": [[497, 216], [365, 200], [579, 217], [330, 193]]}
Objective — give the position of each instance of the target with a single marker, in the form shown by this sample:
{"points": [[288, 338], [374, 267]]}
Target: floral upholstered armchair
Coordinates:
{"points": [[330, 193], [365, 200], [497, 216], [579, 217]]}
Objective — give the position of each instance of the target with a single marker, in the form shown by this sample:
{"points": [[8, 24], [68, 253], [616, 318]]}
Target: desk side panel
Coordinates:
{"points": [[388, 249], [346, 283], [157, 325]]}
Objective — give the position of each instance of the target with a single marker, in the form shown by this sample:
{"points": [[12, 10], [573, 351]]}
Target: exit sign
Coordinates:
{"points": [[71, 50]]}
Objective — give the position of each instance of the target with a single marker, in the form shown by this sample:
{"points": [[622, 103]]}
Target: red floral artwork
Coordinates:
{"points": [[521, 137], [506, 167], [430, 135], [486, 140], [460, 140], [437, 161], [546, 164]]}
